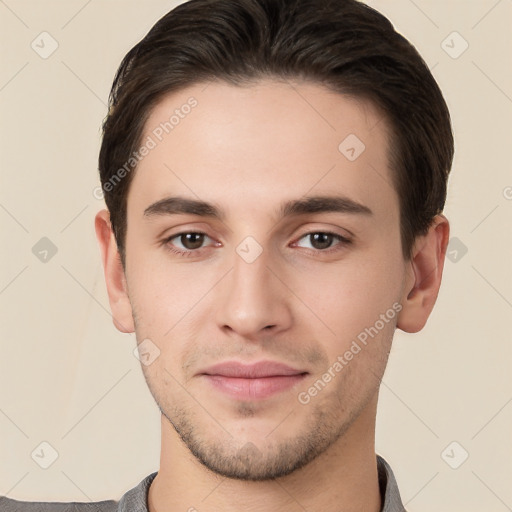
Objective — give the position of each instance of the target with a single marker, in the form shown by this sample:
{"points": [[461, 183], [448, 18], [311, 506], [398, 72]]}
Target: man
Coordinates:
{"points": [[275, 173]]}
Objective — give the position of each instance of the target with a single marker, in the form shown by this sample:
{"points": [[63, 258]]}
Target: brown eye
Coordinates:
{"points": [[188, 243], [192, 240], [321, 240]]}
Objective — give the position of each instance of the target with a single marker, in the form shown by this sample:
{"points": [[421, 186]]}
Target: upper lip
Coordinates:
{"points": [[251, 371]]}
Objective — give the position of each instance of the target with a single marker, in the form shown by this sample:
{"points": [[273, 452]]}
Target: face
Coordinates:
{"points": [[269, 286]]}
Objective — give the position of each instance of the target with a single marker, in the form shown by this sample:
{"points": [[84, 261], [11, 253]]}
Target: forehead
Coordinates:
{"points": [[251, 148]]}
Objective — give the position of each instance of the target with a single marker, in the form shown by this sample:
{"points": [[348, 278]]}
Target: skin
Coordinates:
{"points": [[248, 150]]}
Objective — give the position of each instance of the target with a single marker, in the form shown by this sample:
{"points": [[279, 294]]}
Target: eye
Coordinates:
{"points": [[323, 241], [187, 243], [190, 243]]}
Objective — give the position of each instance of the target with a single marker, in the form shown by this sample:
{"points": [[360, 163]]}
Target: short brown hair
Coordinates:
{"points": [[344, 45]]}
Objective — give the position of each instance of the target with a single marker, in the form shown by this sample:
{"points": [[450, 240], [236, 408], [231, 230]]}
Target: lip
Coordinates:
{"points": [[252, 381], [252, 371]]}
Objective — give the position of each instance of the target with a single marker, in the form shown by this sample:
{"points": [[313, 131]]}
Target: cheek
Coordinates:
{"points": [[165, 300], [349, 293], [162, 293], [346, 300]]}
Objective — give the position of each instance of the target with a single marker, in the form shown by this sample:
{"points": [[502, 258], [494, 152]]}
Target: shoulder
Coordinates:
{"points": [[10, 505], [134, 499]]}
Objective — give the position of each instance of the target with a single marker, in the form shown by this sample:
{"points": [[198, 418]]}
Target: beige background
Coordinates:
{"points": [[70, 379]]}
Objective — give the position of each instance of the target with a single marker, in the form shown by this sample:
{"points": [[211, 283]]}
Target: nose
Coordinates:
{"points": [[254, 300]]}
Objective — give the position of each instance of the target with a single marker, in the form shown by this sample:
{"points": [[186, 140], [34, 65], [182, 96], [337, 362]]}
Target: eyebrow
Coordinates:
{"points": [[316, 204]]}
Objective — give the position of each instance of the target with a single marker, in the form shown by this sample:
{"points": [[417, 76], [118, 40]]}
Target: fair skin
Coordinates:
{"points": [[301, 302]]}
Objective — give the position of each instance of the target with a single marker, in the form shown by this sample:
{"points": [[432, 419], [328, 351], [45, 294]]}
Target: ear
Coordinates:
{"points": [[114, 274], [423, 279]]}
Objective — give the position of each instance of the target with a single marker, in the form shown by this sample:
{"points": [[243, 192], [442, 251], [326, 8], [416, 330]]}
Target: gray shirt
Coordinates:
{"points": [[135, 500]]}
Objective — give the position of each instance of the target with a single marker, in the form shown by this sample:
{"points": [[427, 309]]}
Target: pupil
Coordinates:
{"points": [[321, 240], [192, 240]]}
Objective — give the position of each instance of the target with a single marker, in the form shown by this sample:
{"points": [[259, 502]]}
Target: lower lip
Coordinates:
{"points": [[254, 389]]}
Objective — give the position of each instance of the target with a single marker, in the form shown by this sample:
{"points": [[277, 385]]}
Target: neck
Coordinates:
{"points": [[344, 478]]}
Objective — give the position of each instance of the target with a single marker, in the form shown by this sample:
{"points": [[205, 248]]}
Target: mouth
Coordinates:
{"points": [[252, 382]]}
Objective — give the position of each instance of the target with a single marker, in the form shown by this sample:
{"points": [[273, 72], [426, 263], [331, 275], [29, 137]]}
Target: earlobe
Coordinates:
{"points": [[115, 279], [423, 280]]}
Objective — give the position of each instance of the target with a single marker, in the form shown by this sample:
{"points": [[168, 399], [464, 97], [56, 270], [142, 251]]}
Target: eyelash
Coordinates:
{"points": [[343, 242]]}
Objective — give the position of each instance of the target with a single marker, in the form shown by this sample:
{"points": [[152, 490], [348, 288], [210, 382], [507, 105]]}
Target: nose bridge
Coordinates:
{"points": [[250, 272], [254, 299]]}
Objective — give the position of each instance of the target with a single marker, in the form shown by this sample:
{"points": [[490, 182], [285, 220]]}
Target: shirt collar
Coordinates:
{"points": [[391, 500], [136, 499]]}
